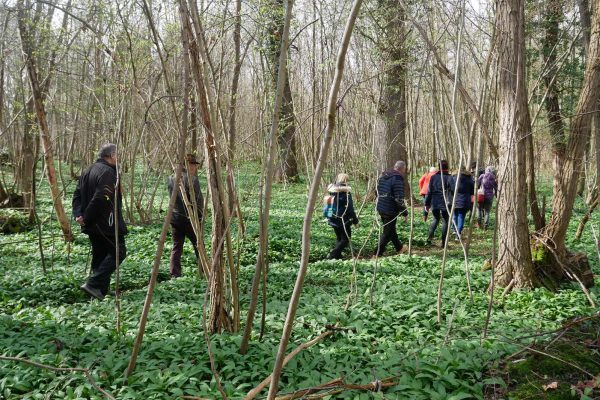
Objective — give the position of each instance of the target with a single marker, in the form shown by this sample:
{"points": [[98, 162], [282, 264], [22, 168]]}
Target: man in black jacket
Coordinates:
{"points": [[390, 204], [437, 199], [181, 225], [94, 210]]}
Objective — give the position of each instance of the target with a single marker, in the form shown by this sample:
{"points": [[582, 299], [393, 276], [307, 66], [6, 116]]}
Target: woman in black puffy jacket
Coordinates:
{"points": [[342, 216]]}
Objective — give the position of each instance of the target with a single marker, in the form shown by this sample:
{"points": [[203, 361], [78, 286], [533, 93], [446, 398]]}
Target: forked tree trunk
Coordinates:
{"points": [[568, 157], [26, 43], [219, 318], [514, 264]]}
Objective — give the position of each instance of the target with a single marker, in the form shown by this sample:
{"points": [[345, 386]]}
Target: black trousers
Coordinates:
{"points": [[180, 231], [342, 235], [388, 234], [437, 216], [104, 260]]}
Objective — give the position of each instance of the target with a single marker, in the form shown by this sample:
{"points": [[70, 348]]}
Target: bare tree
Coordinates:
{"points": [[514, 266]]}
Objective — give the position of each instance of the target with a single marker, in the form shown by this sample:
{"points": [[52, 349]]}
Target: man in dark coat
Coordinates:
{"points": [[94, 210], [181, 225], [390, 204], [437, 199]]}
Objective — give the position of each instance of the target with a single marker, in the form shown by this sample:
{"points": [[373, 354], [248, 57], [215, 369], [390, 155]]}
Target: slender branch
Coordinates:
{"points": [[85, 371]]}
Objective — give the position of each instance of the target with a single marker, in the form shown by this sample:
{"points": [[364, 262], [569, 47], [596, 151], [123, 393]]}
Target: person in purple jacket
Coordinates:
{"points": [[487, 181]]}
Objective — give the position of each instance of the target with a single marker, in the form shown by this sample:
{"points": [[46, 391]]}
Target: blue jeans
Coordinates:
{"points": [[459, 217]]}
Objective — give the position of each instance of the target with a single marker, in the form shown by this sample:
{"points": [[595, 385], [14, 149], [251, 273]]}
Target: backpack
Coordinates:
{"points": [[329, 206]]}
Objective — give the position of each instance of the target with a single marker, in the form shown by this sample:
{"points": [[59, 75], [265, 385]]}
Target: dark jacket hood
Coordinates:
{"points": [[389, 174]]}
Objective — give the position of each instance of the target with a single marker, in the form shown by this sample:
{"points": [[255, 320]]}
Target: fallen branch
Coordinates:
{"points": [[85, 371], [337, 386], [254, 392]]}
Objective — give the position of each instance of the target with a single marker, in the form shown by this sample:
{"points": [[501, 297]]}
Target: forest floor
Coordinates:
{"points": [[389, 304]]}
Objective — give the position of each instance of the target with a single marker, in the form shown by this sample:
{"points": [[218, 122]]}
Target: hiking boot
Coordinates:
{"points": [[428, 242], [96, 293]]}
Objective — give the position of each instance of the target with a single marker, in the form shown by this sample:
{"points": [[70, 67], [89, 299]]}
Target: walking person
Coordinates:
{"points": [[488, 183], [342, 215], [94, 210], [181, 224], [390, 204], [463, 196], [424, 185], [437, 199]]}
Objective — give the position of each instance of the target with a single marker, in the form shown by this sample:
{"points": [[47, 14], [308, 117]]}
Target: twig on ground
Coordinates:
{"points": [[254, 392], [85, 371]]}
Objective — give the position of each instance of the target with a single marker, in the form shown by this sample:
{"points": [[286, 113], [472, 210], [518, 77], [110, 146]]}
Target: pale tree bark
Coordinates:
{"points": [[568, 156], [514, 265], [391, 137], [315, 188], [261, 259], [36, 91]]}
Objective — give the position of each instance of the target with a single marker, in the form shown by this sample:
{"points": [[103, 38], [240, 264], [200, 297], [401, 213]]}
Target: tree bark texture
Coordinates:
{"points": [[287, 167], [391, 137], [514, 253], [568, 158]]}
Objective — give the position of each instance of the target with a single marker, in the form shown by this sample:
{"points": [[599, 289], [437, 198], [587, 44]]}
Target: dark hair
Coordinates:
{"points": [[107, 150], [443, 165]]}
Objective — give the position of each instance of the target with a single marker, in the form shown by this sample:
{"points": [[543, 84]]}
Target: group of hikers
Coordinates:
{"points": [[97, 208], [443, 194], [94, 210]]}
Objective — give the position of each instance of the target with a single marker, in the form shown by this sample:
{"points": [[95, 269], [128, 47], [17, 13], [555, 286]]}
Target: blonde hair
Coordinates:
{"points": [[341, 179]]}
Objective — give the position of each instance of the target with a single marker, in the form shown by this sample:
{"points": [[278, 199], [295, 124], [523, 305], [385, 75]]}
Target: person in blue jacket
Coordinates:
{"points": [[438, 197], [464, 194], [343, 217], [390, 204]]}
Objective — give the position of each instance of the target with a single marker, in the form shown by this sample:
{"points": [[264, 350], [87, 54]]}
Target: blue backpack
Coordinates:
{"points": [[329, 206]]}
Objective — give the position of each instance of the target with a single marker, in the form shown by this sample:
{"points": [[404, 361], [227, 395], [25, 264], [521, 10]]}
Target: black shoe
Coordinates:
{"points": [[96, 293], [429, 242]]}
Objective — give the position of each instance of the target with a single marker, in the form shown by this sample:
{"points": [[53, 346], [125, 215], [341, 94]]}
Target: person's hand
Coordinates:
{"points": [[79, 220]]}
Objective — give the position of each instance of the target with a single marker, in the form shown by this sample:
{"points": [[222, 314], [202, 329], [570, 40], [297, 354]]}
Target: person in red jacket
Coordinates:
{"points": [[424, 181], [424, 185]]}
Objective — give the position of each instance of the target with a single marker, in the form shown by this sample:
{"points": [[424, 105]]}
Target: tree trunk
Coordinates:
{"points": [[391, 137], [514, 264], [568, 157], [219, 318], [36, 91], [287, 167]]}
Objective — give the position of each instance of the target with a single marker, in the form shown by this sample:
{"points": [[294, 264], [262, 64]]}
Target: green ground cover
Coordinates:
{"points": [[395, 334]]}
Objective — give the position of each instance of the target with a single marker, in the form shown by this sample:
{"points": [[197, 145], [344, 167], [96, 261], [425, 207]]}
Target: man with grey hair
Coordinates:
{"points": [[390, 204], [94, 210]]}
